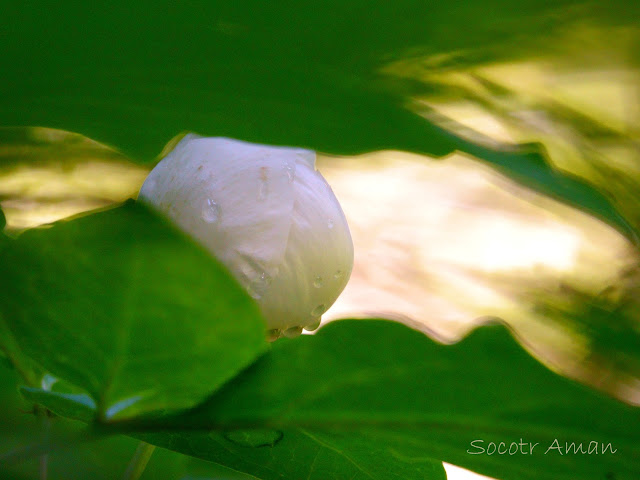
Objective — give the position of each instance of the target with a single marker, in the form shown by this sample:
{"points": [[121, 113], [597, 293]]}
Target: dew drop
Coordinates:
{"points": [[330, 223], [258, 287], [317, 282], [313, 325], [290, 171], [210, 211], [319, 310], [274, 334], [338, 274], [292, 332]]}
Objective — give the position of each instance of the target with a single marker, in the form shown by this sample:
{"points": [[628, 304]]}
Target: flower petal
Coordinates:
{"points": [[318, 258], [234, 197]]}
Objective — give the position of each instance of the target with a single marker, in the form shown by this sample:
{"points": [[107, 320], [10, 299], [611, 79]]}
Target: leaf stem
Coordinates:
{"points": [[139, 461], [45, 427]]}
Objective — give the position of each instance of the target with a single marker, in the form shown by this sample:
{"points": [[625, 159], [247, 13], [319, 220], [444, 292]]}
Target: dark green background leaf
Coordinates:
{"points": [[374, 399], [125, 307], [135, 74]]}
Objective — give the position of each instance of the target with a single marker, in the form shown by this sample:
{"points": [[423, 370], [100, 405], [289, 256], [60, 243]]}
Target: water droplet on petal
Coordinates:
{"points": [[292, 332], [258, 287], [338, 274], [317, 282], [313, 325], [210, 211], [319, 310], [330, 223], [274, 334], [290, 171]]}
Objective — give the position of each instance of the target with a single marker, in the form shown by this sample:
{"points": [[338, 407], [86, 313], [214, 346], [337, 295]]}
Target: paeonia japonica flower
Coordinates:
{"points": [[267, 215]]}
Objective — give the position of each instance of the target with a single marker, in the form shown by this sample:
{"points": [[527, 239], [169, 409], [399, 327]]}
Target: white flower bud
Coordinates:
{"points": [[267, 215]]}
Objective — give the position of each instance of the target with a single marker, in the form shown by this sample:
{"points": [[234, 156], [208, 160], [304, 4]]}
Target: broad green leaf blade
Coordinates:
{"points": [[382, 394], [102, 458], [125, 307], [268, 453], [295, 453], [10, 348], [387, 402]]}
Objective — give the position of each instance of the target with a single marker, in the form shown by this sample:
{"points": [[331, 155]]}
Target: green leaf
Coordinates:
{"points": [[374, 399], [9, 347], [102, 458], [269, 74], [76, 406], [388, 397], [128, 309], [150, 70]]}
